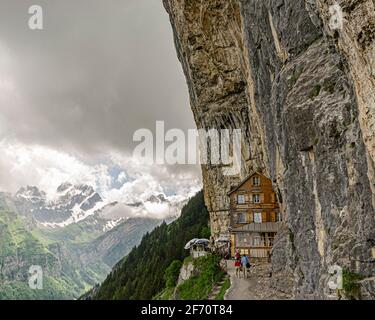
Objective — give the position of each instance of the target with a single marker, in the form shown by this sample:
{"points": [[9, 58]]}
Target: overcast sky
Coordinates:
{"points": [[72, 95]]}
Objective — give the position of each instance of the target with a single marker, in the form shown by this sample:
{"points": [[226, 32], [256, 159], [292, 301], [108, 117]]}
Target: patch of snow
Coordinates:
{"points": [[111, 224], [77, 216]]}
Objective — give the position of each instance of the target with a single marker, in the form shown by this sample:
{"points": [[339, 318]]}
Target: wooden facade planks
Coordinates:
{"points": [[255, 216]]}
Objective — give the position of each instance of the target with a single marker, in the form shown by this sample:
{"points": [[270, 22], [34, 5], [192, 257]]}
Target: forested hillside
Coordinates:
{"points": [[140, 275]]}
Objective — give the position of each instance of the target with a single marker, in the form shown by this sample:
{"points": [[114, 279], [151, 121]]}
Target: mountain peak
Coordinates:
{"points": [[71, 203], [31, 193], [63, 187], [157, 198]]}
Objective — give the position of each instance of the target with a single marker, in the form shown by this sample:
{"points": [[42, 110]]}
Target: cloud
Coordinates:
{"points": [[47, 168], [148, 209], [72, 95], [121, 177], [96, 73]]}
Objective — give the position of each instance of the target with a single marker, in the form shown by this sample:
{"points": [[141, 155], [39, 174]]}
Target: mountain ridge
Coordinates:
{"points": [[73, 258]]}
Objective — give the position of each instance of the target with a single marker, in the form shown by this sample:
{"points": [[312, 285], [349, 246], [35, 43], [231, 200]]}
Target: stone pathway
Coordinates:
{"points": [[256, 287]]}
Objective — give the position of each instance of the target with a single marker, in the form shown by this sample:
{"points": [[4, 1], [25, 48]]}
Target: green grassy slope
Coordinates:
{"points": [[199, 286], [207, 274]]}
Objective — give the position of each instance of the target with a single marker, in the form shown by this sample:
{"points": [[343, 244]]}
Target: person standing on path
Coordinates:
{"points": [[245, 262], [237, 254], [237, 265]]}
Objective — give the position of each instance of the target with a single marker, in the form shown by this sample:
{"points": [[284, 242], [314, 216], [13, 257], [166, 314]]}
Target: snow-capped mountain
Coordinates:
{"points": [[79, 229], [73, 256], [160, 198], [72, 203]]}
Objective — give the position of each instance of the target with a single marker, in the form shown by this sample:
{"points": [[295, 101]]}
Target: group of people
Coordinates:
{"points": [[242, 264]]}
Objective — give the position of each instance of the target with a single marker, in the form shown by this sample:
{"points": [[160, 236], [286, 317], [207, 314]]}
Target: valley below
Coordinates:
{"points": [[70, 239]]}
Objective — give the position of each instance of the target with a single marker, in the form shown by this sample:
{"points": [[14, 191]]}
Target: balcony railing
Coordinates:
{"points": [[238, 225], [257, 227], [237, 219], [235, 205]]}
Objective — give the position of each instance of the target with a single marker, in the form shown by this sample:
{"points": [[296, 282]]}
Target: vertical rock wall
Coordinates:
{"points": [[303, 95]]}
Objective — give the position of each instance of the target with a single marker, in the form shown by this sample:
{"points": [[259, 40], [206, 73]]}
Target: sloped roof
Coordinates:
{"points": [[246, 179], [196, 241]]}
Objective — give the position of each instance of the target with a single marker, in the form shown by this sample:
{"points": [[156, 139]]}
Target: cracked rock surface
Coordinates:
{"points": [[304, 97]]}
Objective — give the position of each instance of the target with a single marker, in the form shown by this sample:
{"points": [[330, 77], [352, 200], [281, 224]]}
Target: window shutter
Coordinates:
{"points": [[264, 216], [273, 216], [261, 196], [251, 217]]}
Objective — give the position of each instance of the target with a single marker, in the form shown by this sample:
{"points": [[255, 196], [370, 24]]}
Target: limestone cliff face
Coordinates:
{"points": [[304, 97]]}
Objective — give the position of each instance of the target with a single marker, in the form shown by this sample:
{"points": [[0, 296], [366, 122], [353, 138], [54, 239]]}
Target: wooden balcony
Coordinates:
{"points": [[253, 205], [256, 227], [253, 252]]}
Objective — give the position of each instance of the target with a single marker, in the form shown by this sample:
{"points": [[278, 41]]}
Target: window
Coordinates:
{"points": [[256, 181], [244, 251], [257, 217], [257, 240], [242, 239], [242, 217], [271, 238], [256, 198], [240, 199], [279, 217]]}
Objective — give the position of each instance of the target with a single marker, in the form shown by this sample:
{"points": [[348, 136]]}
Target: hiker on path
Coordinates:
{"points": [[245, 262], [237, 254], [237, 265]]}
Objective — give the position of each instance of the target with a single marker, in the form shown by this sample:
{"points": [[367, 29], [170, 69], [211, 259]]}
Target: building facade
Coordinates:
{"points": [[255, 216]]}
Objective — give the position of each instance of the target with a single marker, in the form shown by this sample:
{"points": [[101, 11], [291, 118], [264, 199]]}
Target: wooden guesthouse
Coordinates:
{"points": [[255, 216]]}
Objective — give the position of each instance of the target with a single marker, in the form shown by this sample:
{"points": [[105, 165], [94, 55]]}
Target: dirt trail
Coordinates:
{"points": [[255, 287]]}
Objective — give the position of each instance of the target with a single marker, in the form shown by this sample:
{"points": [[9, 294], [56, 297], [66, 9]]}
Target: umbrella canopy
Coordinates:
{"points": [[195, 241], [202, 241], [190, 243]]}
